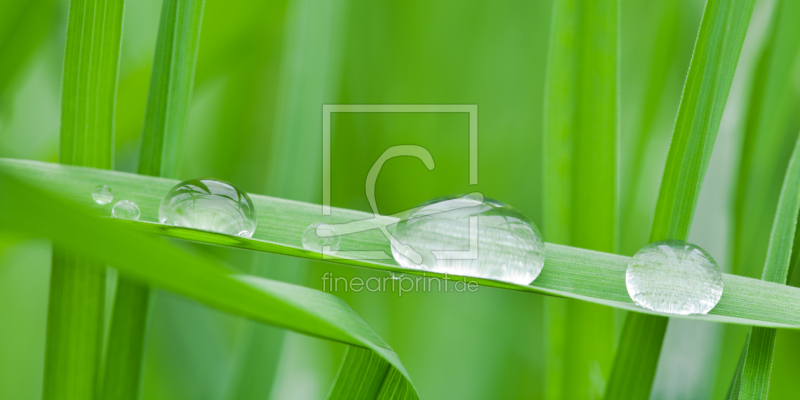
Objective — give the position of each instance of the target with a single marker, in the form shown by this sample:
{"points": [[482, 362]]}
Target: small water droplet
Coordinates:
{"points": [[210, 205], [318, 235], [674, 277], [102, 194], [396, 275], [470, 235], [125, 209]]}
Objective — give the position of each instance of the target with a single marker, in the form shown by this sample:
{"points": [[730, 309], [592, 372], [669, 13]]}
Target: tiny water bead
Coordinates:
{"points": [[210, 205], [125, 209], [396, 275], [674, 277], [102, 195], [318, 235], [498, 243]]}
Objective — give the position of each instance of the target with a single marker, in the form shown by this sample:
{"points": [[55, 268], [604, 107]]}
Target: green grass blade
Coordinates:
{"points": [[360, 376], [77, 285], [155, 262], [572, 272], [753, 377], [165, 121], [767, 141], [581, 182], [716, 53], [170, 87]]}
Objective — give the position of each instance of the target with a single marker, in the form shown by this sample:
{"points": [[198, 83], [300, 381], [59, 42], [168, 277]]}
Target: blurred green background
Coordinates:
{"points": [[264, 70]]}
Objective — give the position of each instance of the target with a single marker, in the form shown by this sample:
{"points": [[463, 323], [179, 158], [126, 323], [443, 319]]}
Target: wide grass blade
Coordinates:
{"points": [[77, 285], [165, 121], [155, 262], [716, 53], [753, 376], [581, 274], [581, 137]]}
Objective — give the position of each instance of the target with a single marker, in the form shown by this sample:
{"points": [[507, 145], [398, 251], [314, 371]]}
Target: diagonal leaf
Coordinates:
{"points": [[581, 135], [753, 376], [569, 272], [154, 262], [705, 92], [165, 121], [77, 285]]}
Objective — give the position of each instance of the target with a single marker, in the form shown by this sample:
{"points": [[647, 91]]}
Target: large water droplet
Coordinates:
{"points": [[470, 235], [318, 235], [210, 205], [102, 195], [125, 209], [674, 277]]}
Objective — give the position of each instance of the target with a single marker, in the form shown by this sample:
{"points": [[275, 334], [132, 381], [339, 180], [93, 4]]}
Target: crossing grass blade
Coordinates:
{"points": [[154, 262], [77, 285], [581, 136], [165, 121], [752, 379], [571, 272], [716, 54]]}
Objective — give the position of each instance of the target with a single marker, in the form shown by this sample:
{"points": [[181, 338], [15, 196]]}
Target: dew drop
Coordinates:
{"points": [[102, 194], [318, 235], [210, 205], [125, 209], [498, 243], [395, 275], [674, 277]]}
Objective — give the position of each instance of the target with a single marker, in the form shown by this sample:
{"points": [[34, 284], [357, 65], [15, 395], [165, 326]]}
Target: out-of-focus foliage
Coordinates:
{"points": [[488, 344]]}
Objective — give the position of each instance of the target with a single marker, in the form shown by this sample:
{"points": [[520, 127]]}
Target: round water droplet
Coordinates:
{"points": [[125, 209], [210, 205], [470, 235], [102, 195], [318, 235], [674, 277]]}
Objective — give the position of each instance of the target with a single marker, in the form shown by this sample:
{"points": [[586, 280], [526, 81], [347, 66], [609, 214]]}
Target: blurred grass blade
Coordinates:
{"points": [[77, 285], [767, 141], [311, 59], [165, 121], [753, 377], [569, 272], [581, 135], [663, 59], [154, 262], [716, 54], [23, 26]]}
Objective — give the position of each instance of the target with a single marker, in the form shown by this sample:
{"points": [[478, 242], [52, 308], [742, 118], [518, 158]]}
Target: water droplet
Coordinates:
{"points": [[674, 277], [318, 235], [210, 205], [396, 275], [102, 194], [125, 209], [470, 235]]}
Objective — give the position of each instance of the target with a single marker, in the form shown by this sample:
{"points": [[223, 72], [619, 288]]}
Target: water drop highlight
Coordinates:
{"points": [[102, 195], [210, 205], [125, 209], [470, 235], [674, 277], [318, 235], [396, 275]]}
